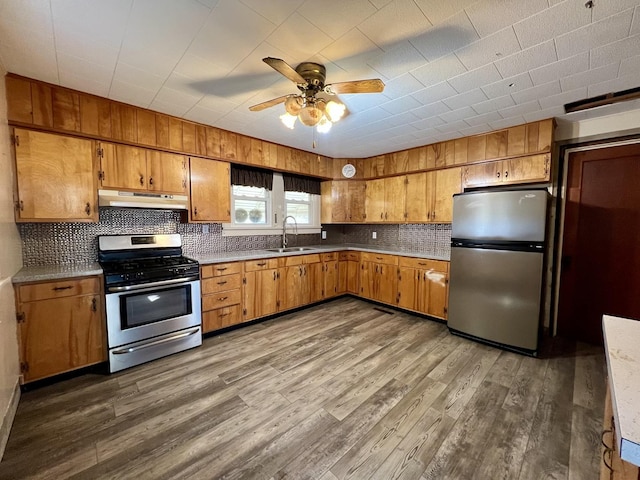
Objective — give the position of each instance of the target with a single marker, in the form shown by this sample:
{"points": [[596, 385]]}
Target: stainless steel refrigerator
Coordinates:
{"points": [[496, 272]]}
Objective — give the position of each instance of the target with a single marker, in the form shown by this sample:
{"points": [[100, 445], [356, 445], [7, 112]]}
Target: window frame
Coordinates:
{"points": [[276, 211]]}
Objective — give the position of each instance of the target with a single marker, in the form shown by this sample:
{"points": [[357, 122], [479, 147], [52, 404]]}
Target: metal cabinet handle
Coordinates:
{"points": [[221, 299], [150, 180], [195, 211], [87, 208], [94, 305], [498, 174], [221, 269], [223, 314], [261, 264], [141, 179], [506, 173], [57, 289], [222, 283]]}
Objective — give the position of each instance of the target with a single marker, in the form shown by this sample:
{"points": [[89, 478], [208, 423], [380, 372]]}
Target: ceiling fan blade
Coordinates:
{"points": [[373, 85], [285, 69], [268, 103]]}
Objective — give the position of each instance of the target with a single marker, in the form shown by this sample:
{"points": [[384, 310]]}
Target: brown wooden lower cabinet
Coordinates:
{"points": [[378, 277], [221, 295], [61, 326], [423, 286]]}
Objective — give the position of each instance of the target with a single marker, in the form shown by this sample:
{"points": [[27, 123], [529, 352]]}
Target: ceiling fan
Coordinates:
{"points": [[312, 108]]}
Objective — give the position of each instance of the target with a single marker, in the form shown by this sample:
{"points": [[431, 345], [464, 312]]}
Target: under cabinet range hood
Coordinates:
{"points": [[115, 198]]}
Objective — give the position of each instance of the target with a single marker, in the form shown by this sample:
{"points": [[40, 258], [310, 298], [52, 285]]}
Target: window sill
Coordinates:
{"points": [[229, 230]]}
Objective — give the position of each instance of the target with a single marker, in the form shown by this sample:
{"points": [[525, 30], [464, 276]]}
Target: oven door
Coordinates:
{"points": [[141, 312]]}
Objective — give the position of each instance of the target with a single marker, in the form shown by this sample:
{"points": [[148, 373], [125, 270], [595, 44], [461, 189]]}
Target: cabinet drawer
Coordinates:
{"points": [[329, 257], [350, 256], [424, 264], [379, 258], [263, 264], [220, 284], [219, 269], [59, 289], [221, 318], [299, 260], [220, 299]]}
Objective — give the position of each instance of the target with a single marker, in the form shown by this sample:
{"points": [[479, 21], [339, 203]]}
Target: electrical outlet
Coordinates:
{"points": [[374, 235], [205, 228], [324, 235]]}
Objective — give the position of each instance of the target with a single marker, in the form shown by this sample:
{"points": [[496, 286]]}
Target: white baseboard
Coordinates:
{"points": [[7, 421]]}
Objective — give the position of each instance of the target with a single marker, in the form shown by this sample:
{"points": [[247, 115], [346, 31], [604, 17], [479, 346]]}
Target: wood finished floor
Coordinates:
{"points": [[340, 390]]}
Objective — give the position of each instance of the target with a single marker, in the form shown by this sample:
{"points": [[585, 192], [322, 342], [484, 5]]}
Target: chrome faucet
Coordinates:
{"points": [[284, 229]]}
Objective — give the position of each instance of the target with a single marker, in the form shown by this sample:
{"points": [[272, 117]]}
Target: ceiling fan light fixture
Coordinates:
{"points": [[324, 125], [293, 105], [335, 110], [288, 120], [310, 115]]}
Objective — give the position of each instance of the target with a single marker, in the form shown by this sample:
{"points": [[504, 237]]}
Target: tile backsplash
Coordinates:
{"points": [[73, 243]]}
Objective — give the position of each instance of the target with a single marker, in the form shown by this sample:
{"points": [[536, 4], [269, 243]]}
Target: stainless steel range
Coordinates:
{"points": [[152, 298]]}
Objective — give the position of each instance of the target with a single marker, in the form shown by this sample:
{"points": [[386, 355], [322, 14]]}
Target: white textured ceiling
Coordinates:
{"points": [[452, 68]]}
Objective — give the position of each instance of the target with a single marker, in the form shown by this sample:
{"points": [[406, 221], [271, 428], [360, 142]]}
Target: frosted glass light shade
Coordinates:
{"points": [[293, 104], [324, 125], [310, 115], [288, 120], [335, 110]]}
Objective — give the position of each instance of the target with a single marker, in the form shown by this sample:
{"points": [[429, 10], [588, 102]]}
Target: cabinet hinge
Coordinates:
{"points": [[446, 309], [406, 181], [20, 317], [100, 152], [101, 175], [446, 281], [20, 205], [15, 139], [278, 303], [24, 367], [244, 311], [244, 281]]}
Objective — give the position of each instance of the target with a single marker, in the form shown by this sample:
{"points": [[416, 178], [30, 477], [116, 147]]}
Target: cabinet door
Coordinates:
{"points": [[210, 190], [260, 293], [61, 334], [326, 202], [356, 200], [331, 279], [418, 205], [314, 281], [447, 182], [394, 198], [436, 285], [340, 202], [167, 172], [294, 291], [386, 284], [368, 274], [374, 200], [343, 271], [123, 167], [353, 277], [483, 174], [408, 288], [56, 177], [527, 169]]}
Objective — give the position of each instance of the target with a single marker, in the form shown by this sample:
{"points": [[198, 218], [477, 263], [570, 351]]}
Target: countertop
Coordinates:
{"points": [[621, 339], [54, 272]]}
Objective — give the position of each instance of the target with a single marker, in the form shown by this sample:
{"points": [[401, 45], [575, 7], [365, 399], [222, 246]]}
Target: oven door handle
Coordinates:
{"points": [[151, 284], [160, 341]]}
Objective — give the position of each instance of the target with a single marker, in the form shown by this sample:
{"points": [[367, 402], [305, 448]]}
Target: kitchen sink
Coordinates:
{"points": [[289, 249]]}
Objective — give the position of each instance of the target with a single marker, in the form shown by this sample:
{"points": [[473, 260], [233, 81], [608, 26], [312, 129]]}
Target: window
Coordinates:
{"points": [[249, 205], [298, 205], [258, 211]]}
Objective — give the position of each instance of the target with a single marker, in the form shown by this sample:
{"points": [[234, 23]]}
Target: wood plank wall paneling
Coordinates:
{"points": [[48, 106]]}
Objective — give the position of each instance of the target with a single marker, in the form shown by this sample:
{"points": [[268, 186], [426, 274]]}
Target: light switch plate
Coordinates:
{"points": [[324, 235]]}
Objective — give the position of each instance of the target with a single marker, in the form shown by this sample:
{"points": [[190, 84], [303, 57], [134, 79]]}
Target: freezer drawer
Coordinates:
{"points": [[495, 295]]}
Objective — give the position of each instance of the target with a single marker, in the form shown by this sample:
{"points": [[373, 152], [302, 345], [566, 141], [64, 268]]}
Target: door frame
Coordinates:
{"points": [[565, 152]]}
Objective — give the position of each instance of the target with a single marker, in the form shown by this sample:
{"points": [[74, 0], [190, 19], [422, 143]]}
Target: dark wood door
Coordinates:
{"points": [[601, 241]]}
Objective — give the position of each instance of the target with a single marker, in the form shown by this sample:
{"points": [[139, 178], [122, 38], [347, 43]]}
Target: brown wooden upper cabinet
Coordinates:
{"points": [[56, 178], [210, 190], [384, 201], [531, 169], [132, 168], [343, 201], [429, 195]]}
